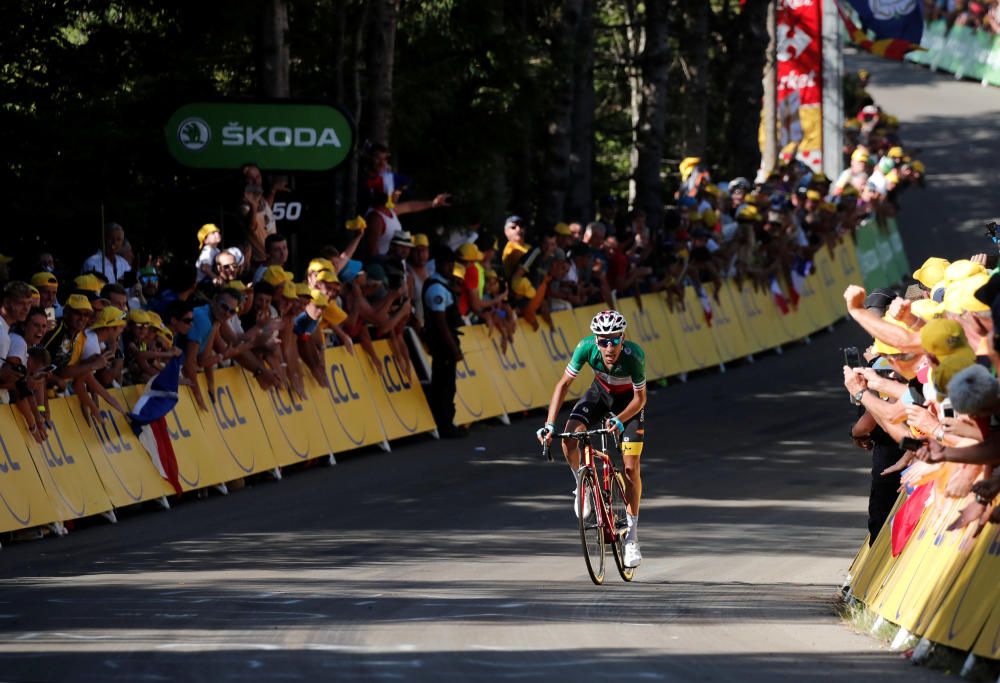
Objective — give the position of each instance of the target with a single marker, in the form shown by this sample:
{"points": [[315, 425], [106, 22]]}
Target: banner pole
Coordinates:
{"points": [[833, 104]]}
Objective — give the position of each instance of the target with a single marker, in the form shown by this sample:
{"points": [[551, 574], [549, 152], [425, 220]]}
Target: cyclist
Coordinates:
{"points": [[619, 388]]}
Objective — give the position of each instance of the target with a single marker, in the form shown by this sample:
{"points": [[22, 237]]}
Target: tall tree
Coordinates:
{"points": [[379, 61], [559, 121], [273, 54], [694, 66], [580, 202], [649, 97], [746, 33]]}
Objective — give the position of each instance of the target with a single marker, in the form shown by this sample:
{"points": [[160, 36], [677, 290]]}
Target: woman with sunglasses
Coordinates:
{"points": [[619, 388]]}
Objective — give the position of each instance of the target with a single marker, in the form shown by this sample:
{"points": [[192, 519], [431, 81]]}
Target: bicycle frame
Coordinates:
{"points": [[588, 460]]}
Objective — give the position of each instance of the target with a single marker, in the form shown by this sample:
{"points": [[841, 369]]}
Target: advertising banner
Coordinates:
{"points": [[800, 78], [476, 397], [348, 413], [276, 136], [23, 500]]}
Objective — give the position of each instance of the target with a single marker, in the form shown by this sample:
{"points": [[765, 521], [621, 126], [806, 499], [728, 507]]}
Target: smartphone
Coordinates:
{"points": [[911, 444], [946, 409], [852, 357]]}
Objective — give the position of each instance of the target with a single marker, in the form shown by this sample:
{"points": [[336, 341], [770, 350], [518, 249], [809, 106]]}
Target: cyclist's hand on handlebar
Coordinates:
{"points": [[545, 433], [615, 425]]}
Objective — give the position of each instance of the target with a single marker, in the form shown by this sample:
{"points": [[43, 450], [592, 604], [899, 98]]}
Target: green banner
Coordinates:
{"points": [[881, 254], [285, 136], [965, 52]]}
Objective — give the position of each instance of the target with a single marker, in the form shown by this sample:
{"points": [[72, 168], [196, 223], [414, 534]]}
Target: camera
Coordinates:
{"points": [[991, 230]]}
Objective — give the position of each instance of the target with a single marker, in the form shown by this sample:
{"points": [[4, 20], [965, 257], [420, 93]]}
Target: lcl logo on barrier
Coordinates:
{"points": [[647, 330], [689, 323], [279, 403], [8, 464], [463, 370], [340, 387], [750, 303], [510, 366], [825, 272], [555, 344], [110, 444], [181, 433], [392, 386], [53, 459], [221, 415]]}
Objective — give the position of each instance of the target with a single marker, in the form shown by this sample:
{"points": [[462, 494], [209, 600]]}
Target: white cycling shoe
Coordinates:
{"points": [[587, 512], [633, 558]]}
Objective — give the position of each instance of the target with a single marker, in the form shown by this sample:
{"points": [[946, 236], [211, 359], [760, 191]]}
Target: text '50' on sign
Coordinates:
{"points": [[285, 136]]}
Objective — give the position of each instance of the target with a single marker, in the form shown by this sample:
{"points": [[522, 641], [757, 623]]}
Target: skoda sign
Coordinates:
{"points": [[285, 136]]}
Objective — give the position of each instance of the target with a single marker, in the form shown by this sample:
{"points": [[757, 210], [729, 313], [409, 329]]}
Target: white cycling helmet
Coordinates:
{"points": [[608, 322]]}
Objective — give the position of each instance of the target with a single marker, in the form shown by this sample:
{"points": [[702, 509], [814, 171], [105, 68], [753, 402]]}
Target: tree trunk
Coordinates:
{"points": [[558, 126], [381, 47], [274, 53], [580, 201], [651, 114], [694, 56], [746, 90]]}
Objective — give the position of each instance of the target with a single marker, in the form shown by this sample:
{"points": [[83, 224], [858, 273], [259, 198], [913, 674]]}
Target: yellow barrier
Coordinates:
{"points": [[348, 413], [399, 401], [85, 469]]}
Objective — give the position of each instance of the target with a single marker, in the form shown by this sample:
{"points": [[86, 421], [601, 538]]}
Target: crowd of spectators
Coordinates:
{"points": [[237, 298], [977, 14], [926, 388]]}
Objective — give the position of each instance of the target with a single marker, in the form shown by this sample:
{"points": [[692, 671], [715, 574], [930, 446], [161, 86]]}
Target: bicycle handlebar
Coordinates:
{"points": [[584, 435]]}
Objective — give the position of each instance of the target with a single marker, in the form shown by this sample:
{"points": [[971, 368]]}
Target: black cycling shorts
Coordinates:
{"points": [[595, 405]]}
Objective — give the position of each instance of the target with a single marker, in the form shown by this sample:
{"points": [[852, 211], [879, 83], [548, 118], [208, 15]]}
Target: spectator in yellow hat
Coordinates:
{"points": [[97, 347], [209, 239]]}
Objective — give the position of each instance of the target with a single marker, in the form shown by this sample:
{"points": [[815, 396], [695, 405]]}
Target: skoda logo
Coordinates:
{"points": [[193, 133]]}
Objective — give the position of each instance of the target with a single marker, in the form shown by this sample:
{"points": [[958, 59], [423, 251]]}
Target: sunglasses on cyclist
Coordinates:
{"points": [[606, 342]]}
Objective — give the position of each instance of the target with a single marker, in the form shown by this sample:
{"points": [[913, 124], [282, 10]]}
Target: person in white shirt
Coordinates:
{"points": [[209, 239], [107, 261], [14, 308]]}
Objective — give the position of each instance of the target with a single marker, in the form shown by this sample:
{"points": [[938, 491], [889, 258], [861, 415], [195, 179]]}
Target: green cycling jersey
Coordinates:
{"points": [[627, 374]]}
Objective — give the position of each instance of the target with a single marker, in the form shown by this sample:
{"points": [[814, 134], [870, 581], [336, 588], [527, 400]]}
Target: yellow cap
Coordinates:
{"points": [[687, 165], [154, 318], [713, 190], [88, 283], [78, 302], [318, 264], [356, 223], [165, 333], [828, 207], [896, 153], [749, 214], [421, 240], [950, 366], [927, 309], [327, 276], [942, 337], [44, 279], [490, 274], [960, 297], [35, 296], [275, 275], [849, 191], [562, 229], [235, 286], [961, 269], [319, 299], [918, 166], [205, 231], [302, 289], [469, 252], [109, 316], [139, 317], [814, 195], [932, 272], [522, 287], [860, 154], [289, 290], [709, 217], [459, 271]]}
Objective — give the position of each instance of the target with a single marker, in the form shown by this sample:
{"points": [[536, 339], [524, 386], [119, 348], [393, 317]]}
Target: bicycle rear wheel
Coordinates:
{"points": [[591, 532], [619, 519]]}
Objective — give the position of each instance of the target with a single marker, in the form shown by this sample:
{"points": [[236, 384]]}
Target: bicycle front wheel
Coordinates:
{"points": [[591, 531], [619, 519]]}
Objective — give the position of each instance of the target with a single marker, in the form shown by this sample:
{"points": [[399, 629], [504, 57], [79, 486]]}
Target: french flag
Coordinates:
{"points": [[706, 303], [801, 269], [149, 424], [779, 296]]}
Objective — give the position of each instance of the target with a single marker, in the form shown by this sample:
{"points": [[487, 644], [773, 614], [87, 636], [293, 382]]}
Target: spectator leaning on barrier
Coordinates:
{"points": [[441, 335], [108, 262]]}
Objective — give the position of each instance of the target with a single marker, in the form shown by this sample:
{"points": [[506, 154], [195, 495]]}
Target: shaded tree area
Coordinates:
{"points": [[539, 107]]}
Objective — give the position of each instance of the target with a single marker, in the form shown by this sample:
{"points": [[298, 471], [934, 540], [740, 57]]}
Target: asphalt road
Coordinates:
{"points": [[460, 561]]}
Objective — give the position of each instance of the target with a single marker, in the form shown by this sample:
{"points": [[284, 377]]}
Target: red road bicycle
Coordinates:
{"points": [[601, 494]]}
